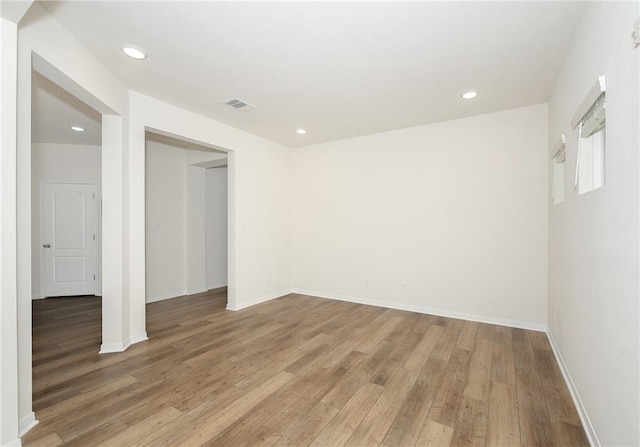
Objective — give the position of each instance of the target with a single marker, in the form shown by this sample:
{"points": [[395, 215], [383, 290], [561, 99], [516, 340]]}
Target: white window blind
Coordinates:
{"points": [[590, 160]]}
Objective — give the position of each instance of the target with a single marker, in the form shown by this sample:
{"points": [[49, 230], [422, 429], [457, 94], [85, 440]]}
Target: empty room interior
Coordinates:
{"points": [[320, 223]]}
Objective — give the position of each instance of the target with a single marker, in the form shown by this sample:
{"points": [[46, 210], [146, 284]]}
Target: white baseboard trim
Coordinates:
{"points": [[196, 291], [216, 285], [108, 348], [154, 299], [137, 338], [427, 310], [582, 412], [26, 424], [262, 299], [38, 297], [16, 443]]}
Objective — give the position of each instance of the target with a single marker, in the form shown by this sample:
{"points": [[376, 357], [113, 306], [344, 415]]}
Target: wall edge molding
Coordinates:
{"points": [[108, 348], [137, 338], [216, 286], [27, 423], [259, 300], [196, 291], [426, 310], [172, 295], [218, 289], [154, 299], [582, 412]]}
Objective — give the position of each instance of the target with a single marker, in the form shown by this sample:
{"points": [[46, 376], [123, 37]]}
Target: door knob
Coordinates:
{"points": [[47, 245]]}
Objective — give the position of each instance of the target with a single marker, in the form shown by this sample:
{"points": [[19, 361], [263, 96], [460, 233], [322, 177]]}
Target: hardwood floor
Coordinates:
{"points": [[295, 371]]}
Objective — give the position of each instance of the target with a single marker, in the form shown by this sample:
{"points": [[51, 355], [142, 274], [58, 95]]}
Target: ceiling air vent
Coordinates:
{"points": [[239, 104]]}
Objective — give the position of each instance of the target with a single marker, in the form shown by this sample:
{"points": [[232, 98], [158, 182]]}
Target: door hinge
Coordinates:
{"points": [[94, 277], [94, 237], [94, 196]]}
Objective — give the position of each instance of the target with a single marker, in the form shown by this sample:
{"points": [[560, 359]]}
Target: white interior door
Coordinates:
{"points": [[68, 239]]}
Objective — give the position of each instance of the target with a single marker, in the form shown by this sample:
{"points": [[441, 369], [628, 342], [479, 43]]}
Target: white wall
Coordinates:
{"points": [[259, 185], [178, 235], [207, 235], [9, 378], [371, 213], [59, 163], [216, 227], [166, 194], [259, 203], [594, 237], [46, 45], [449, 218], [196, 231]]}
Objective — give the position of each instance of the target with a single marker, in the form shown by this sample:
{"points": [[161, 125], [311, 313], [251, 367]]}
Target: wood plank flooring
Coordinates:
{"points": [[296, 371]]}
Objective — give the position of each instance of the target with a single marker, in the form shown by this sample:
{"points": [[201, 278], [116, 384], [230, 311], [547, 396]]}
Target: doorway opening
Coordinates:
{"points": [[66, 230], [66, 184], [186, 215]]}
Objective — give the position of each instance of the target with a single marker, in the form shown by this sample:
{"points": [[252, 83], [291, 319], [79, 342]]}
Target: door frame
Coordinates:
{"points": [[97, 271]]}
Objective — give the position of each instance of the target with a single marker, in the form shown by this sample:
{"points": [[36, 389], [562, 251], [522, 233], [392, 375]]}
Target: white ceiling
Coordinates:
{"points": [[338, 69], [54, 111]]}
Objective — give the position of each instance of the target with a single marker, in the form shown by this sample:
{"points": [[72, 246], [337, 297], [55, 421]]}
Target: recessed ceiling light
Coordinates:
{"points": [[133, 52], [470, 94], [301, 131], [77, 128]]}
